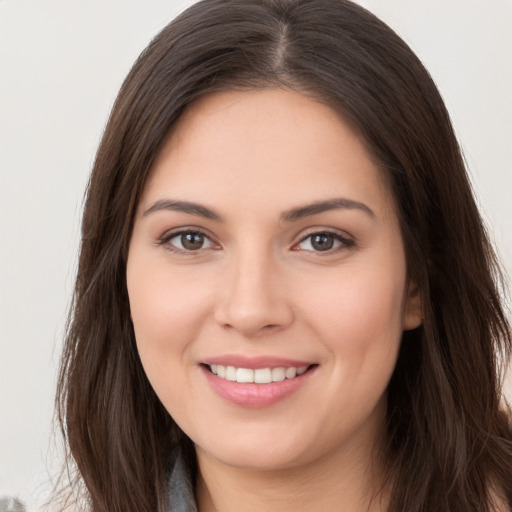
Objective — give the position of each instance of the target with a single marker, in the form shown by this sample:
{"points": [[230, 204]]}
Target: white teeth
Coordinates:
{"points": [[231, 373], [244, 375], [301, 370], [290, 372], [262, 376], [258, 376], [278, 374]]}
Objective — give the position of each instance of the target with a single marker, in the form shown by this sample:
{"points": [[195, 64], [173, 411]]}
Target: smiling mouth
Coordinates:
{"points": [[258, 375]]}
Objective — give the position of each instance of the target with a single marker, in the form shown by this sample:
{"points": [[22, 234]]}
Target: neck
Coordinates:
{"points": [[349, 482]]}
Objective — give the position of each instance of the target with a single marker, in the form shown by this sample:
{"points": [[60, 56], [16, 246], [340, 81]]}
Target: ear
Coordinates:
{"points": [[413, 308]]}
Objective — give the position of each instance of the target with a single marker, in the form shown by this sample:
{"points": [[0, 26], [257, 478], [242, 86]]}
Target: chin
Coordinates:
{"points": [[255, 452]]}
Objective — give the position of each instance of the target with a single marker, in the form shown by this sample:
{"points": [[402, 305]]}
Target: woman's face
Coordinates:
{"points": [[266, 249]]}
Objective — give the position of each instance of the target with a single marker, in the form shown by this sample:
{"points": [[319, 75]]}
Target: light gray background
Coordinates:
{"points": [[61, 64]]}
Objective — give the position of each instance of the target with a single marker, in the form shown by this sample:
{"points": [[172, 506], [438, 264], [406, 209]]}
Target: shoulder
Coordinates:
{"points": [[11, 504]]}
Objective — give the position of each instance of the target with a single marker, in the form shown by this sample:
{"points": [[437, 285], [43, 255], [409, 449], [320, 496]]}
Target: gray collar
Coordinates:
{"points": [[181, 487]]}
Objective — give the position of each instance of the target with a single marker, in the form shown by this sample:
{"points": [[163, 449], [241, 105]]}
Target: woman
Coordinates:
{"points": [[286, 297]]}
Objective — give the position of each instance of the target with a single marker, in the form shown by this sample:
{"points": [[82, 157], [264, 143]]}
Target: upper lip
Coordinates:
{"points": [[255, 362]]}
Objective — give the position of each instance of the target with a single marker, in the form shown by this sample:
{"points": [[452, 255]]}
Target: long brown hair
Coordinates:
{"points": [[448, 445]]}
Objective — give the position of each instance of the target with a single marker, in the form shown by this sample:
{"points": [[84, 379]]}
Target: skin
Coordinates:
{"points": [[258, 286]]}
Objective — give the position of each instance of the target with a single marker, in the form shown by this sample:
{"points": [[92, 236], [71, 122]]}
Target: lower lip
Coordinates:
{"points": [[255, 395]]}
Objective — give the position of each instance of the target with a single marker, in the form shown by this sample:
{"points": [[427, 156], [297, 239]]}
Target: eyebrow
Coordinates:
{"points": [[324, 206], [185, 207], [288, 216]]}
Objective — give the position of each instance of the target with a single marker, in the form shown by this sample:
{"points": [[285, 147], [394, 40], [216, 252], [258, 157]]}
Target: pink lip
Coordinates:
{"points": [[256, 396], [255, 362]]}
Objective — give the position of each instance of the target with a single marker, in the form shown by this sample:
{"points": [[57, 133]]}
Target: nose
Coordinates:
{"points": [[253, 299]]}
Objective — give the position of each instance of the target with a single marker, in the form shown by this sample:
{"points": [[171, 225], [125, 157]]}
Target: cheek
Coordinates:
{"points": [[165, 306], [167, 310], [358, 301], [358, 315]]}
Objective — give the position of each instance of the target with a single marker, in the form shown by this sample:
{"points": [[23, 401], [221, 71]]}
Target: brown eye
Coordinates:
{"points": [[192, 241], [322, 242], [188, 241]]}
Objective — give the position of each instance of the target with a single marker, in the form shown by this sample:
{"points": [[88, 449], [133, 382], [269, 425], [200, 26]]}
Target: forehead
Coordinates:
{"points": [[269, 143]]}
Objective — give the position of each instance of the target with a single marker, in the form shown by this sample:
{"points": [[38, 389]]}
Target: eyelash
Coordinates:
{"points": [[343, 242], [165, 240]]}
